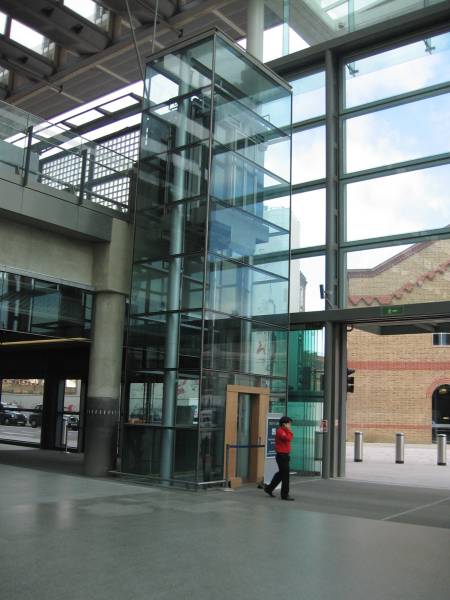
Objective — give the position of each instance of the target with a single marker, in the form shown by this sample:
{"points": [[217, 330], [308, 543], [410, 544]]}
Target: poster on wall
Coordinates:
{"points": [[261, 352]]}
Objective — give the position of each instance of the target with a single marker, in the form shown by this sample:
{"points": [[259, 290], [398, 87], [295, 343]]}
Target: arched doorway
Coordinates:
{"points": [[441, 411]]}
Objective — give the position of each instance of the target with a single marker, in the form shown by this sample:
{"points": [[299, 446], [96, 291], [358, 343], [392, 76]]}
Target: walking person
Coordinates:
{"points": [[283, 438]]}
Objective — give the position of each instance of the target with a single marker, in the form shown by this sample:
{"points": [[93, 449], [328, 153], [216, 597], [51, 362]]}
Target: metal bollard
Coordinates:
{"points": [[441, 449], [359, 446], [399, 448]]}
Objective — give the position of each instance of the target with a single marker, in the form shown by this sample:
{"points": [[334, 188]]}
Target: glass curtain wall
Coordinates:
{"points": [[210, 289], [395, 213], [308, 192]]}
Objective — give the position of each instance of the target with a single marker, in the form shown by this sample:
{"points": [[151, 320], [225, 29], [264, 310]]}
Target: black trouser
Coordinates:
{"points": [[282, 475]]}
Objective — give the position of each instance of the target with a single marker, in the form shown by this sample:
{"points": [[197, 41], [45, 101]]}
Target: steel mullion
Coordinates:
{"points": [[398, 100], [415, 164]]}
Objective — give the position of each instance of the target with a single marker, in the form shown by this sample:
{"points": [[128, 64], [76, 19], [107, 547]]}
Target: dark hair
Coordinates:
{"points": [[285, 420]]}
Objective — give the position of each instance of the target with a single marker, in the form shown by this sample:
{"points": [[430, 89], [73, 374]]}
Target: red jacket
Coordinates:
{"points": [[283, 439]]}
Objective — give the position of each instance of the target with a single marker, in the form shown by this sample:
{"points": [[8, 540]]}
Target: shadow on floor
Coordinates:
{"points": [[53, 461]]}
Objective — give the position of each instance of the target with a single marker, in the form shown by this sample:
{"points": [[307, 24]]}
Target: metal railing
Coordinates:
{"points": [[35, 151]]}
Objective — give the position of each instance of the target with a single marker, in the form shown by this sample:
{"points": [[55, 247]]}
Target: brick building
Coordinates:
{"points": [[396, 376]]}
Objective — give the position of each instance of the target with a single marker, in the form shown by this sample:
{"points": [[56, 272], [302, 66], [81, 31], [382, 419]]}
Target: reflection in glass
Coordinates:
{"points": [[244, 291], [172, 177], [308, 155], [161, 126], [386, 137], [50, 309], [185, 455], [308, 97], [141, 450], [307, 275], [238, 234], [398, 71], [151, 284], [147, 341], [397, 204], [237, 74], [251, 135], [399, 275], [233, 344], [211, 453], [308, 219], [179, 72]]}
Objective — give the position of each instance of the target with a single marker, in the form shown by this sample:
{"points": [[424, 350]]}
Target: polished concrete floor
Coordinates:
{"points": [[66, 536]]}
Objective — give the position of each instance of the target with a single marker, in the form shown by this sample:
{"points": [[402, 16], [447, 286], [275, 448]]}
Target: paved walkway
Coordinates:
{"points": [[67, 536], [420, 467]]}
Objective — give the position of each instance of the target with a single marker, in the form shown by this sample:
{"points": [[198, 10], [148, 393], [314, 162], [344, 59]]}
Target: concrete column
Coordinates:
{"points": [[103, 398], [112, 282], [255, 28]]}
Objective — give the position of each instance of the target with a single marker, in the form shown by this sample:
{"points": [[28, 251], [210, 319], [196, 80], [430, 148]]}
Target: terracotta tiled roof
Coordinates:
{"points": [[406, 288]]}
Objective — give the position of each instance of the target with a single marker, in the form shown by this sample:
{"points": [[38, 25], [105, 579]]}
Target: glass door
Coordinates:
{"points": [[244, 416]]}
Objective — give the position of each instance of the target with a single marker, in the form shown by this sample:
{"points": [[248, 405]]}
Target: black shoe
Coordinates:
{"points": [[269, 492], [288, 498]]}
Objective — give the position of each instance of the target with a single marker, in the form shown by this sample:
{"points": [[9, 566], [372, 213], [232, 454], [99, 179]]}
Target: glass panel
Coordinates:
{"points": [[188, 390], [155, 223], [148, 338], [244, 410], [308, 219], [400, 203], [238, 182], [141, 450], [307, 275], [236, 289], [16, 302], [394, 275], [306, 395], [235, 344], [145, 402], [308, 97], [308, 155], [13, 126], [21, 402], [173, 177], [177, 123], [241, 79], [151, 284], [61, 311], [236, 233], [211, 453], [186, 452], [398, 71], [386, 137], [179, 72], [247, 133]]}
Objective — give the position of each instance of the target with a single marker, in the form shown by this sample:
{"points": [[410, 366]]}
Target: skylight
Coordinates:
{"points": [[84, 117], [119, 104], [90, 10], [31, 39], [3, 19]]}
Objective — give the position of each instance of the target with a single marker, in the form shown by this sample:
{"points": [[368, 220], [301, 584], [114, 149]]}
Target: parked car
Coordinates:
{"points": [[35, 419], [11, 417], [73, 422]]}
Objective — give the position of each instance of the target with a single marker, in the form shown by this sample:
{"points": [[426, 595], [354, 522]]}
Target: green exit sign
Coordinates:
{"points": [[391, 310]]}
